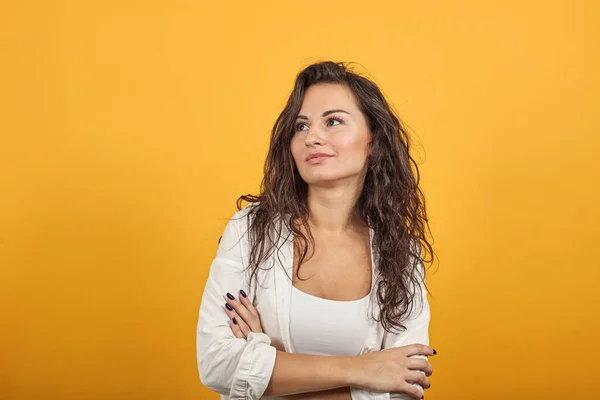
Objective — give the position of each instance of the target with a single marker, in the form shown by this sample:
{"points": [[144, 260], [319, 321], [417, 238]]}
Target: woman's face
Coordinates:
{"points": [[331, 136]]}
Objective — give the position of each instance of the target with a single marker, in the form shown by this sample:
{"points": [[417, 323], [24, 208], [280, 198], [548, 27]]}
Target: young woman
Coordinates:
{"points": [[317, 290]]}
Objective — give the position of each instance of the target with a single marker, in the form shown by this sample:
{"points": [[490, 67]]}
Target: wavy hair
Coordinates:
{"points": [[391, 202]]}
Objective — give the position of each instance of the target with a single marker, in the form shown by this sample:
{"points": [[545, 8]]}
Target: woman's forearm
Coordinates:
{"points": [[301, 373]]}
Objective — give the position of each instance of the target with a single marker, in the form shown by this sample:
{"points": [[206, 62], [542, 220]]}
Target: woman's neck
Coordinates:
{"points": [[332, 211]]}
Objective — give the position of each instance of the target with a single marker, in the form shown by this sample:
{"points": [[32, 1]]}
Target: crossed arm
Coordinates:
{"points": [[321, 378], [253, 368]]}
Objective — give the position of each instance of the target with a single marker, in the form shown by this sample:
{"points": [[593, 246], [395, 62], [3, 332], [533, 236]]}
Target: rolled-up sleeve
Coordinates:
{"points": [[238, 368]]}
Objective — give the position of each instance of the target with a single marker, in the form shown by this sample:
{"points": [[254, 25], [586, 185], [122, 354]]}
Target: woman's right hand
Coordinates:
{"points": [[394, 370]]}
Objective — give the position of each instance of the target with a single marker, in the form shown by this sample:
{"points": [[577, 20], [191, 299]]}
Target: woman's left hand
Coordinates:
{"points": [[243, 317]]}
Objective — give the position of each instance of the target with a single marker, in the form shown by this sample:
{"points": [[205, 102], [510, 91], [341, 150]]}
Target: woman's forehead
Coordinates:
{"points": [[326, 96]]}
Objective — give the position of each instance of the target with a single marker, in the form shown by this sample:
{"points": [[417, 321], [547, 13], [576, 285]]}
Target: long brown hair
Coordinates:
{"points": [[391, 201]]}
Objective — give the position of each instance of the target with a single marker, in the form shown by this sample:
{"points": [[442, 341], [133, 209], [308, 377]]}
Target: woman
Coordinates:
{"points": [[317, 289]]}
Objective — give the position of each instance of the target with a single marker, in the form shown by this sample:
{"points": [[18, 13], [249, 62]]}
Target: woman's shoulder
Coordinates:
{"points": [[241, 217], [236, 225], [251, 213], [247, 209]]}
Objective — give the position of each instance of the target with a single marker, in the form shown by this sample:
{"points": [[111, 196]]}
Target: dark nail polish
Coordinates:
{"points": [[228, 307], [243, 293], [230, 296], [234, 321], [434, 352]]}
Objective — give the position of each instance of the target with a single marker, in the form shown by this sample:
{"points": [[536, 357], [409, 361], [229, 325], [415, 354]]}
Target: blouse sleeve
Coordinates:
{"points": [[236, 367], [417, 332], [417, 328]]}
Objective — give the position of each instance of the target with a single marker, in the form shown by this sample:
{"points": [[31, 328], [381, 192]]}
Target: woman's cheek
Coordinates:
{"points": [[343, 143], [294, 150]]}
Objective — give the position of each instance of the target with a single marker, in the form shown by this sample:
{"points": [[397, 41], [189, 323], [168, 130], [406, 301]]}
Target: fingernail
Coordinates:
{"points": [[228, 307], [243, 293], [230, 296], [234, 321], [434, 352]]}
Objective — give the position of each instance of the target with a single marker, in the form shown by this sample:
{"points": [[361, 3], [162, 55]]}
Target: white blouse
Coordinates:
{"points": [[240, 368]]}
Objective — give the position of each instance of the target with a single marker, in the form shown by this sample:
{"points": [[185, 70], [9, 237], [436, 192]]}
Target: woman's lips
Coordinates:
{"points": [[318, 159]]}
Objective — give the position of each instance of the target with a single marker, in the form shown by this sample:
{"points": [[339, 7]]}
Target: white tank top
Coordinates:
{"points": [[327, 327]]}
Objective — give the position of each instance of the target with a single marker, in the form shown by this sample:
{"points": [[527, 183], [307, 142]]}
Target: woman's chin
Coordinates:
{"points": [[326, 180]]}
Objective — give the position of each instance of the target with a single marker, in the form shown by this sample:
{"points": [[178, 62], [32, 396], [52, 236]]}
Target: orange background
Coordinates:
{"points": [[129, 128]]}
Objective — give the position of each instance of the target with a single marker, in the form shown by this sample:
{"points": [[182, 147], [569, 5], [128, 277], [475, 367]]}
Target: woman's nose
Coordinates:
{"points": [[313, 136]]}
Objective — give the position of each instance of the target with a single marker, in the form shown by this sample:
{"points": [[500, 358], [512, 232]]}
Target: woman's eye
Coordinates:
{"points": [[301, 127], [333, 122]]}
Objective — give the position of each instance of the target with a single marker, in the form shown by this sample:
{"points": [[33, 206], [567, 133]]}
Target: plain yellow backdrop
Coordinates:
{"points": [[129, 128]]}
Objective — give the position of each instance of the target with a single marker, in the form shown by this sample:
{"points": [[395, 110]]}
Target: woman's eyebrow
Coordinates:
{"points": [[326, 113]]}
